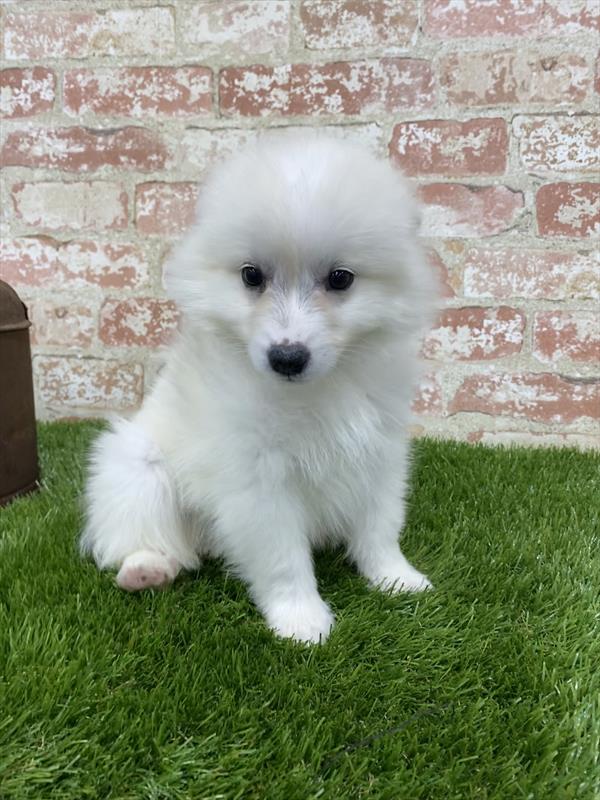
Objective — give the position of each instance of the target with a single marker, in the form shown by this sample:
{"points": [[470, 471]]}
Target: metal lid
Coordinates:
{"points": [[13, 313]]}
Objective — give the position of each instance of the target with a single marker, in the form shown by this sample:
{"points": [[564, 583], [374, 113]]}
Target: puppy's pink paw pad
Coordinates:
{"points": [[146, 571], [136, 578]]}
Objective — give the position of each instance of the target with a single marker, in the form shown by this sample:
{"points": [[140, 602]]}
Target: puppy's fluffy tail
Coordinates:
{"points": [[131, 501]]}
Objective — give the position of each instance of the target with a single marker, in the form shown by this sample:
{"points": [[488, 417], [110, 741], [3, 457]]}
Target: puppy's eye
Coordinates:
{"points": [[340, 279], [252, 276]]}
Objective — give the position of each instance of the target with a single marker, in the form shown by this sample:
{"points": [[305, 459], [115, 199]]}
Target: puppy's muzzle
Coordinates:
{"points": [[288, 359]]}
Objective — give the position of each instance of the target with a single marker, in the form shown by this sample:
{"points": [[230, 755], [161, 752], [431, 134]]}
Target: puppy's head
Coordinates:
{"points": [[303, 251]]}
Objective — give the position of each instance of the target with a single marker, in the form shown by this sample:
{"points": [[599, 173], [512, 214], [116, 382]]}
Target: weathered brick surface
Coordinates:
{"points": [[357, 23], [572, 16], [531, 274], [82, 206], [25, 92], [563, 334], [559, 144], [568, 209], [440, 271], [70, 383], [165, 208], [428, 399], [515, 78], [112, 112], [452, 209], [475, 334], [68, 326], [138, 321], [449, 19], [138, 91], [448, 147], [538, 397], [40, 33], [343, 87], [85, 150], [249, 28], [40, 261], [200, 148]]}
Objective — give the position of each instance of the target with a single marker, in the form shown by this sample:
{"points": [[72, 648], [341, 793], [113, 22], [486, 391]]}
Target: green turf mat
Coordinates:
{"points": [[488, 687]]}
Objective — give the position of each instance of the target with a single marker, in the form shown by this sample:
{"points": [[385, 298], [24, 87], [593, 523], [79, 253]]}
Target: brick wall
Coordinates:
{"points": [[114, 110]]}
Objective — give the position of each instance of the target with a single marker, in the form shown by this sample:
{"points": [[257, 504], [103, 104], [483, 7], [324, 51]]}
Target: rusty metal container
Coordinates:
{"points": [[19, 472]]}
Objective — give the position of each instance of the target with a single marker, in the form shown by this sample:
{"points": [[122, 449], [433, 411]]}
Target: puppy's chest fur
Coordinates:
{"points": [[328, 454], [333, 466], [313, 449]]}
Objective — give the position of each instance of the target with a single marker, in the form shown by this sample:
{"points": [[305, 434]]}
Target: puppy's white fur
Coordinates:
{"points": [[228, 458]]}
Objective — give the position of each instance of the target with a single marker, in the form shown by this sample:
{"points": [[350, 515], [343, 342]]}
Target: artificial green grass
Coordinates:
{"points": [[488, 687]]}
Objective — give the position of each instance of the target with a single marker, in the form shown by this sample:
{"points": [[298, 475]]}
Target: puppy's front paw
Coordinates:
{"points": [[402, 580], [146, 569], [304, 619]]}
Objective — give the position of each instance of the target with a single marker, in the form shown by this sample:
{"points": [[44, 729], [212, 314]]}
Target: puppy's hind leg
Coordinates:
{"points": [[134, 522]]}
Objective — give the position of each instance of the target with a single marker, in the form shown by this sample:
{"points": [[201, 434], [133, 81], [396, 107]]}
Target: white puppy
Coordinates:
{"points": [[278, 422]]}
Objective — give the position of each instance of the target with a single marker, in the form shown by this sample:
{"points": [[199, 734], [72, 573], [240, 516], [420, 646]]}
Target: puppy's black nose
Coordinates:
{"points": [[288, 359]]}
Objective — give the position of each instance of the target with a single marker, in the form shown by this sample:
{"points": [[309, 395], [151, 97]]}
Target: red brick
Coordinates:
{"points": [[85, 149], [200, 148], [165, 208], [357, 23], [84, 206], [81, 34], [448, 147], [452, 209], [252, 27], [88, 383], [428, 400], [24, 92], [539, 397], [448, 19], [343, 87], [559, 144], [564, 334], [473, 334], [531, 274], [571, 16], [45, 262], [568, 209], [440, 270], [62, 325], [138, 91], [509, 77], [138, 321]]}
